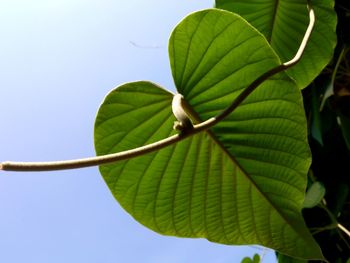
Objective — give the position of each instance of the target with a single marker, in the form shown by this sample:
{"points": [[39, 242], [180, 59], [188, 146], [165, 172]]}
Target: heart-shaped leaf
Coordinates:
{"points": [[243, 181], [283, 22]]}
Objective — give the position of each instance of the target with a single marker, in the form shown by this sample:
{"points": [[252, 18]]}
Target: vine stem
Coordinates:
{"points": [[205, 125]]}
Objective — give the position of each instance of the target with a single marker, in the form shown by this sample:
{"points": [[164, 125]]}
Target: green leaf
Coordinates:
{"points": [[256, 258], [314, 195], [316, 120], [246, 260], [242, 182], [284, 22]]}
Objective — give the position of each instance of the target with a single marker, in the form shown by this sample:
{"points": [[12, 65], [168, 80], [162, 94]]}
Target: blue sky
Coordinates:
{"points": [[58, 59]]}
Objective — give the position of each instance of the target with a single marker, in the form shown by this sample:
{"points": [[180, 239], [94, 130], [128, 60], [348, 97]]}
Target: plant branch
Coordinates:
{"points": [[205, 125]]}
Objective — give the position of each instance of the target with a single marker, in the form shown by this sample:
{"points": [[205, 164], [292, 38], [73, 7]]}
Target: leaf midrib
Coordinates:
{"points": [[194, 115], [214, 138]]}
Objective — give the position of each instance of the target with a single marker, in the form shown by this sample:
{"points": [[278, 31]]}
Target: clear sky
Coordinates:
{"points": [[58, 59]]}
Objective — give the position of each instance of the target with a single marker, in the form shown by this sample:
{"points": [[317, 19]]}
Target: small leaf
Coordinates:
{"points": [[247, 260], [328, 93], [316, 120], [256, 258], [314, 195], [284, 24]]}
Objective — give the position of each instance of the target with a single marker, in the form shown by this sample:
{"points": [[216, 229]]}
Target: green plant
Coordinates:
{"points": [[255, 259], [235, 168]]}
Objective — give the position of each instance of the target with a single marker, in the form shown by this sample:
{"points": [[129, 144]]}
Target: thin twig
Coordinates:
{"points": [[205, 125], [317, 230]]}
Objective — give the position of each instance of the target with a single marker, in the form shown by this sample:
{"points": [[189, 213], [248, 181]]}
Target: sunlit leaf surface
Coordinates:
{"points": [[242, 182]]}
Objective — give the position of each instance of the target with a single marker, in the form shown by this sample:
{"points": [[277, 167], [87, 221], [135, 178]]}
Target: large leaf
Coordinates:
{"points": [[243, 181], [283, 22]]}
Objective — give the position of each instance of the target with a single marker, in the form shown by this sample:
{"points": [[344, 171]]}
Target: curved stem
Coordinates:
{"points": [[110, 158]]}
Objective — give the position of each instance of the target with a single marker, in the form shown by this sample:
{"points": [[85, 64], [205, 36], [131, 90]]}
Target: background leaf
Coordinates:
{"points": [[256, 259], [247, 260], [314, 195], [243, 182], [283, 23]]}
